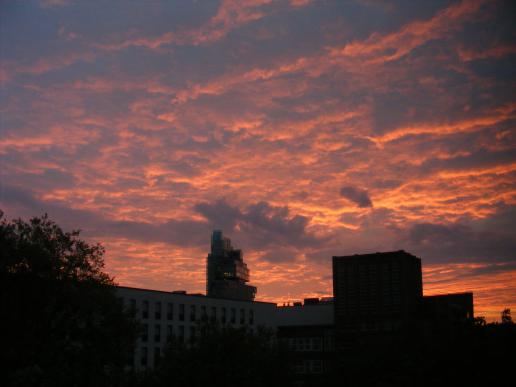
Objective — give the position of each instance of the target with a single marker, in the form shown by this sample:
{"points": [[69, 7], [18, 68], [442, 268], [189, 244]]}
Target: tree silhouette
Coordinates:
{"points": [[63, 324], [506, 316], [224, 356]]}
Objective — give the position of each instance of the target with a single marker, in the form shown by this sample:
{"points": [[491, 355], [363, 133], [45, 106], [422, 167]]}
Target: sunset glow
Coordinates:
{"points": [[303, 129]]}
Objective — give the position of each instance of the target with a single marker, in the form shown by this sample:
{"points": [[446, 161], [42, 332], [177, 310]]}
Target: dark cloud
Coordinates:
{"points": [[358, 196], [478, 159], [461, 242], [491, 269], [95, 225], [220, 214], [260, 224], [280, 255]]}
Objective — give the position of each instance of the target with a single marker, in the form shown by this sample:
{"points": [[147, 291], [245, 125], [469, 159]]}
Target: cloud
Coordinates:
{"points": [[356, 195], [461, 242], [135, 129], [482, 158], [261, 224], [388, 47], [220, 214], [54, 3], [230, 15], [95, 225]]}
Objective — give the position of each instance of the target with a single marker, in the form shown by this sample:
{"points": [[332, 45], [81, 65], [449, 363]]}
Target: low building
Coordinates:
{"points": [[307, 329], [166, 314], [446, 314]]}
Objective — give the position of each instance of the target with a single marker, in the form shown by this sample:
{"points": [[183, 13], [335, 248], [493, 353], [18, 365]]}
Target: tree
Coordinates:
{"points": [[479, 321], [506, 316], [224, 356], [63, 324]]}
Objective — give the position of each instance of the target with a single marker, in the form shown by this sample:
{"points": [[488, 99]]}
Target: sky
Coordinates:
{"points": [[302, 129]]}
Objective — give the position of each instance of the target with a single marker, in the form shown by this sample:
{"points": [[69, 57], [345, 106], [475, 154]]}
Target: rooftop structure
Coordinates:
{"points": [[226, 272]]}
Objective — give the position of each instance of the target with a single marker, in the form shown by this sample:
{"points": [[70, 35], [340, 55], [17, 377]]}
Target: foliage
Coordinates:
{"points": [[506, 316], [63, 324], [224, 356], [468, 354]]}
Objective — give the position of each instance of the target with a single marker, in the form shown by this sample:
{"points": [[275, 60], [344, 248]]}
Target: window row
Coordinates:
{"points": [[305, 343], [157, 334], [193, 313], [243, 317], [145, 353], [303, 366]]}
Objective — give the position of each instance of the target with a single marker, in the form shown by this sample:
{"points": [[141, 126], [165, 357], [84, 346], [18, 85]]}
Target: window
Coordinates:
{"points": [[143, 358], [192, 312], [130, 358], [223, 318], [145, 333], [251, 317], [299, 367], [157, 311], [170, 311], [170, 332], [132, 304], [192, 333], [316, 344], [181, 333], [204, 315], [316, 366], [213, 313], [233, 315], [157, 333], [181, 312], [242, 316], [157, 355], [145, 309]]}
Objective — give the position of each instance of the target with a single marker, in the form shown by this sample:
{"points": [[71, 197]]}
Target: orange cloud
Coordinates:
{"points": [[230, 15], [383, 48]]}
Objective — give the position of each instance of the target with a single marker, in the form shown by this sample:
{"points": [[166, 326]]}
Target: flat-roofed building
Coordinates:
{"points": [[377, 291], [453, 309], [377, 299], [165, 314], [307, 329]]}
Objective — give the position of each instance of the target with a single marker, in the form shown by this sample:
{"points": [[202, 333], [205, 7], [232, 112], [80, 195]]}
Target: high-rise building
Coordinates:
{"points": [[226, 272], [376, 292]]}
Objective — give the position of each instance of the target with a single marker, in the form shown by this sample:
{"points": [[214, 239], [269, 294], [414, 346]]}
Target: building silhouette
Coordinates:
{"points": [[226, 272], [376, 292], [306, 329], [377, 308], [446, 314]]}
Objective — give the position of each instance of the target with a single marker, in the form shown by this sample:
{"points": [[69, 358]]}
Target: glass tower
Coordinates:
{"points": [[226, 272]]}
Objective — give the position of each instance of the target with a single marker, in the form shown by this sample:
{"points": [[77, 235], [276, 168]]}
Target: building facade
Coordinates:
{"points": [[167, 314], [307, 330]]}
